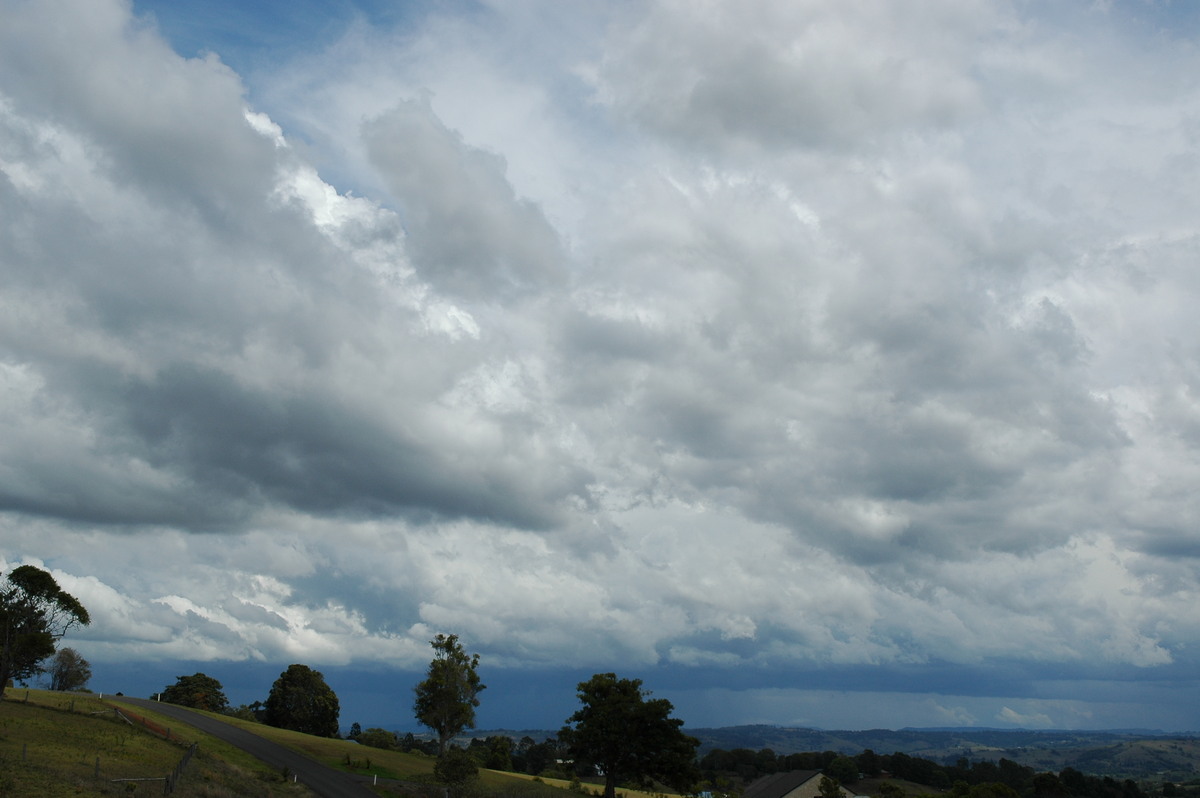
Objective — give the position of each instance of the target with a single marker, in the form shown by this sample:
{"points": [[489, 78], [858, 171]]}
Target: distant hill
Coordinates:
{"points": [[929, 743], [1124, 754]]}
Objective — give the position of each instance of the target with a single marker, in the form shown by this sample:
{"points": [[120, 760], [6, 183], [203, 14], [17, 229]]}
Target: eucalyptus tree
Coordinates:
{"points": [[447, 698], [35, 613]]}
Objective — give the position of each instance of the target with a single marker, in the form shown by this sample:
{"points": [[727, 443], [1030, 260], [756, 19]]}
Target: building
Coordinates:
{"points": [[792, 784]]}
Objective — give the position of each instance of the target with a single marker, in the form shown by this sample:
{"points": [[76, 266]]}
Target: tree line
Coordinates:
{"points": [[963, 779], [620, 734]]}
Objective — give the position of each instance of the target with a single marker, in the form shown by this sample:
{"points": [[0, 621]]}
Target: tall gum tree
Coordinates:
{"points": [[447, 698], [35, 613]]}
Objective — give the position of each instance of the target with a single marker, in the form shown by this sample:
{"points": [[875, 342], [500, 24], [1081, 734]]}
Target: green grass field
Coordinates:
{"points": [[71, 744], [354, 758]]}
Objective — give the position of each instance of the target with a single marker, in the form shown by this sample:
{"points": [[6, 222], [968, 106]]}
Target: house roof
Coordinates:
{"points": [[778, 785]]}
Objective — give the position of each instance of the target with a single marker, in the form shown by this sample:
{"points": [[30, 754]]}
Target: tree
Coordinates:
{"points": [[35, 613], [301, 701], [246, 712], [447, 698], [197, 691], [540, 756], [68, 670], [1048, 785], [628, 736], [499, 753], [993, 789], [868, 762], [829, 788], [455, 768], [842, 769], [376, 737]]}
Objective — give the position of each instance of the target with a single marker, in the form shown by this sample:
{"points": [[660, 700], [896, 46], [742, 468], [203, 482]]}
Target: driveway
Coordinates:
{"points": [[323, 781]]}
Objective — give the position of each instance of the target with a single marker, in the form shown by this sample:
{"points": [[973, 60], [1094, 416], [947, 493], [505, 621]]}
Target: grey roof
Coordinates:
{"points": [[778, 785]]}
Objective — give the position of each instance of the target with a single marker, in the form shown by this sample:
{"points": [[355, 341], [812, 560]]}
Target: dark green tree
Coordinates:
{"points": [[540, 756], [993, 789], [35, 613], [456, 769], [1048, 785], [376, 737], [300, 700], [493, 752], [630, 737], [68, 670], [868, 762], [250, 712], [198, 691], [499, 753], [842, 769], [765, 761], [447, 698]]}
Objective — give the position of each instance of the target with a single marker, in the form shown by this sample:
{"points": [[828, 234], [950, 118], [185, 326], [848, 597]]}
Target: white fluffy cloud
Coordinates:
{"points": [[763, 334]]}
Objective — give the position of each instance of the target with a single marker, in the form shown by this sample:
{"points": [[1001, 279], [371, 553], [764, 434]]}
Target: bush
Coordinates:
{"points": [[456, 768], [378, 738]]}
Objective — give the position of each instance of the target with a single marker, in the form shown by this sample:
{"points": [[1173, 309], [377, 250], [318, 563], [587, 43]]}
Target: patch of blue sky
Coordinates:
{"points": [[266, 33]]}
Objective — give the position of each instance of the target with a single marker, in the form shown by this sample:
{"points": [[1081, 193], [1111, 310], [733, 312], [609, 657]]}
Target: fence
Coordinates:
{"points": [[133, 719], [172, 779]]}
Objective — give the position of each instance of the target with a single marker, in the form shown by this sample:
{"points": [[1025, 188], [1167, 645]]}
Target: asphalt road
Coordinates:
{"points": [[324, 781]]}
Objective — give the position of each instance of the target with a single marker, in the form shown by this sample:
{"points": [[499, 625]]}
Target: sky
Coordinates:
{"points": [[819, 363]]}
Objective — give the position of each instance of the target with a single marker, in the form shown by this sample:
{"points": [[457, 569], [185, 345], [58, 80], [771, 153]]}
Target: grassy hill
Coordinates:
{"points": [[70, 744], [57, 744]]}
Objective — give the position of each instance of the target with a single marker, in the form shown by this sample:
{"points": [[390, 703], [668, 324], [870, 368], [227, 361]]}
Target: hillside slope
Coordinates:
{"points": [[56, 744]]}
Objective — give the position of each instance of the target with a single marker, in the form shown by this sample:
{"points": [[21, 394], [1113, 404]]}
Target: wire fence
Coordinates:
{"points": [[172, 779], [132, 719]]}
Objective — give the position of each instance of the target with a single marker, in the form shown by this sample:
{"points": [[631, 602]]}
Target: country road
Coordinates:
{"points": [[322, 780]]}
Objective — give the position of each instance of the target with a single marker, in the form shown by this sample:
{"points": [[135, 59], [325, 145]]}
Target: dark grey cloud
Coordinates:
{"points": [[317, 455]]}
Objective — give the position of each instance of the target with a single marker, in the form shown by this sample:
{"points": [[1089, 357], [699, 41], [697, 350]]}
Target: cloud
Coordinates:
{"points": [[1033, 721], [235, 330], [795, 339], [815, 74], [468, 232]]}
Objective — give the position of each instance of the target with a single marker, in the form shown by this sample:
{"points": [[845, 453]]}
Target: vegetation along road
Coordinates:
{"points": [[322, 780]]}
